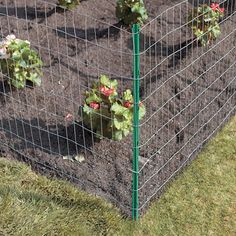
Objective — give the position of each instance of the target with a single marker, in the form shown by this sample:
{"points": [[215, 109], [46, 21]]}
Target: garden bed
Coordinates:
{"points": [[76, 49]]}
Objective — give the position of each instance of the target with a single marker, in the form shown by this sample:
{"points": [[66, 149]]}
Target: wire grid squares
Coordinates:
{"points": [[188, 91], [76, 50]]}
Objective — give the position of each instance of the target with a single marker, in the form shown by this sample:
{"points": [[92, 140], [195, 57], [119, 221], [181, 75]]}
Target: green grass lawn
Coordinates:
{"points": [[202, 201]]}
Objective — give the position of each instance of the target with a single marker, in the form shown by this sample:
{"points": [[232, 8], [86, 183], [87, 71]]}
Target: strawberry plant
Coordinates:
{"points": [[204, 21], [108, 114], [131, 12], [68, 4], [19, 63]]}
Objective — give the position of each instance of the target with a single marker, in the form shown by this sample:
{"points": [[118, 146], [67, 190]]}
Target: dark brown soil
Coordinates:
{"points": [[186, 102]]}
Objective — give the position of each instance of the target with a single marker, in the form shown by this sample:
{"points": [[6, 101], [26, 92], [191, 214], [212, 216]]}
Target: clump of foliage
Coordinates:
{"points": [[108, 114], [204, 21], [68, 4], [19, 63], [131, 12]]}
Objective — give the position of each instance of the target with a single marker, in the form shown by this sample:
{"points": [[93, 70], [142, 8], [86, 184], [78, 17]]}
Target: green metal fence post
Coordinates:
{"points": [[136, 72]]}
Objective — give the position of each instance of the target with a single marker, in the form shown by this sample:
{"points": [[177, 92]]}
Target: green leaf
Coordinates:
{"points": [[118, 109], [35, 79], [203, 21], [104, 80], [16, 56], [68, 4], [17, 83], [93, 97], [117, 123], [117, 135], [131, 11], [23, 63], [88, 110], [216, 31], [126, 132], [128, 96], [112, 120], [142, 111], [22, 44]]}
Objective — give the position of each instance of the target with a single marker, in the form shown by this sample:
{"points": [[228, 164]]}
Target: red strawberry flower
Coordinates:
{"points": [[222, 10], [127, 104], [94, 105], [106, 91], [215, 6]]}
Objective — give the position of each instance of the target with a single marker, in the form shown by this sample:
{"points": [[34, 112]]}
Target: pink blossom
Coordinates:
{"points": [[140, 104], [106, 91], [94, 105], [222, 10], [127, 104], [215, 6]]}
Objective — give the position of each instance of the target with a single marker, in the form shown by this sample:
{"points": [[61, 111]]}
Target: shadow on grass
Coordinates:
{"points": [[50, 197]]}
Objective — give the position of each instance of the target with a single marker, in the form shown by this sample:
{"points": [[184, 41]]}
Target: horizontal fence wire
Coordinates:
{"points": [[188, 91]]}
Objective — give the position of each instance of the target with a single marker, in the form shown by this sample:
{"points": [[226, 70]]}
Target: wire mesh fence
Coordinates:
{"points": [[188, 91]]}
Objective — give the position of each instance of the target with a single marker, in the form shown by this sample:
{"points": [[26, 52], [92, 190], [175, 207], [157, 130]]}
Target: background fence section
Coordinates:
{"points": [[188, 91]]}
